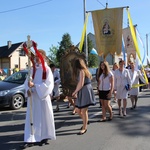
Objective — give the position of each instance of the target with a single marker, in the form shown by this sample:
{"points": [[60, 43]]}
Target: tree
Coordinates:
{"points": [[63, 45], [52, 56], [93, 61]]}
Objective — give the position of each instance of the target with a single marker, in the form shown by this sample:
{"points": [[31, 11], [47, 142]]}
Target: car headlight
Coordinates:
{"points": [[3, 93]]}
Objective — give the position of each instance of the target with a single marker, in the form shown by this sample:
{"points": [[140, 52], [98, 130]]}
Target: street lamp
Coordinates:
{"points": [[147, 47]]}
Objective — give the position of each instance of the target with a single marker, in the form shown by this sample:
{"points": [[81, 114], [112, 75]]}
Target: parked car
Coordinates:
{"points": [[12, 91]]}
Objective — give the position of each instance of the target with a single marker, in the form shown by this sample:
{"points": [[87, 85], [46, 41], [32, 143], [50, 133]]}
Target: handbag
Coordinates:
{"points": [[127, 87]]}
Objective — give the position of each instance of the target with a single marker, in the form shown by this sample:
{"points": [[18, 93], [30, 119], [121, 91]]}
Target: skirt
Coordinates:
{"points": [[103, 95]]}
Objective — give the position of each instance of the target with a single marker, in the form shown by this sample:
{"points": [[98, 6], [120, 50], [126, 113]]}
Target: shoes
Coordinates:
{"points": [[57, 109], [115, 101], [132, 108], [124, 113], [102, 120], [109, 119], [82, 132], [26, 145], [87, 123], [44, 142], [73, 113]]}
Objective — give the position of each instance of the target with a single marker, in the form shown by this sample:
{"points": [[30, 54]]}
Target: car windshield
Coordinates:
{"points": [[18, 77]]}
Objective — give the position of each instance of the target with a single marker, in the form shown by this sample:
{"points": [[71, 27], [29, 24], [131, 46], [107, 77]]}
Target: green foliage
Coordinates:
{"points": [[52, 56], [93, 61], [63, 45], [57, 51]]}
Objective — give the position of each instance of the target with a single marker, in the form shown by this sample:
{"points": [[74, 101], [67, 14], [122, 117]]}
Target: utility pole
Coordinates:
{"points": [[85, 39], [147, 47]]}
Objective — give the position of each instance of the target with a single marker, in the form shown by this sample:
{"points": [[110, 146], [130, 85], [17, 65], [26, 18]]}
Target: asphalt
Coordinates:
{"points": [[128, 133]]}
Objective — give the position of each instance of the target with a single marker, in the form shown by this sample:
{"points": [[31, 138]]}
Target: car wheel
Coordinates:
{"points": [[17, 101]]}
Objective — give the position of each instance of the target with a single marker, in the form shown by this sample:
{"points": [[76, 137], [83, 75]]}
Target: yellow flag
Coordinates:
{"points": [[108, 30], [83, 32], [135, 43]]}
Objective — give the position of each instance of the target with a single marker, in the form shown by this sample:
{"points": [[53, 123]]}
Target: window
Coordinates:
{"points": [[22, 52]]}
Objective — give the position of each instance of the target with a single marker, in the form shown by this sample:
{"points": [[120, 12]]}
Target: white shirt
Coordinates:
{"points": [[105, 83]]}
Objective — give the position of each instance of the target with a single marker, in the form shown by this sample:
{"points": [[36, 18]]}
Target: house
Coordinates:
{"points": [[11, 56]]}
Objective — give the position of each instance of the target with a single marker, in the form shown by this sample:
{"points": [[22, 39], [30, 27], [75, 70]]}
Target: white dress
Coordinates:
{"points": [[42, 111], [135, 76], [121, 79]]}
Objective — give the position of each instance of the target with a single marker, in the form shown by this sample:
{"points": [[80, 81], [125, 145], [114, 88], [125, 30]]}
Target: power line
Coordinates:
{"points": [[101, 3], [15, 9]]}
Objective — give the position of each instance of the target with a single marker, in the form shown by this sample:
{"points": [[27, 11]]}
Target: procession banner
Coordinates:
{"points": [[129, 45], [108, 30]]}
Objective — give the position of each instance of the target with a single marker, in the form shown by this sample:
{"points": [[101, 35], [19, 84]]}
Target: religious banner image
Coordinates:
{"points": [[129, 44], [108, 30]]}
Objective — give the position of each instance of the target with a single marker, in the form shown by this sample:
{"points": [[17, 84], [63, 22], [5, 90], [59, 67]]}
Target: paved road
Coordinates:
{"points": [[129, 133]]}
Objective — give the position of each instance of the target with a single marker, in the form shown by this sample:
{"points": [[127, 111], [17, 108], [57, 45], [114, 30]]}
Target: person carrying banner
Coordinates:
{"points": [[135, 76], [42, 111]]}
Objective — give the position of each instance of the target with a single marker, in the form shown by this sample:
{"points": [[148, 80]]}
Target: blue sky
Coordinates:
{"points": [[47, 22]]}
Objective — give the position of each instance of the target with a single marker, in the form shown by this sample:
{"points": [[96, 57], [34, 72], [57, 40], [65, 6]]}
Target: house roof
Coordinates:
{"points": [[5, 51]]}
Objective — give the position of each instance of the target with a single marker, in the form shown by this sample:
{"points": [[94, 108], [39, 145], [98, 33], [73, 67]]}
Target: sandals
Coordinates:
{"points": [[102, 120]]}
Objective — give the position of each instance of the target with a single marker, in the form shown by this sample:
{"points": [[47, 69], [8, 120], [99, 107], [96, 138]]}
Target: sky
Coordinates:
{"points": [[47, 20]]}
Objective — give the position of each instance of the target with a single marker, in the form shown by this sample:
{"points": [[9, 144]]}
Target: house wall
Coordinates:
{"points": [[23, 62], [15, 59]]}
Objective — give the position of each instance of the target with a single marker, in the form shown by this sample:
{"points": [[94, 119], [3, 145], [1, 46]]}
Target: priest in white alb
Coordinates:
{"points": [[39, 123]]}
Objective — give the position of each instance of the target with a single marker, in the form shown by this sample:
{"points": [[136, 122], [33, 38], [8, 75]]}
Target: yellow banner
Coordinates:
{"points": [[108, 30], [136, 45], [83, 32]]}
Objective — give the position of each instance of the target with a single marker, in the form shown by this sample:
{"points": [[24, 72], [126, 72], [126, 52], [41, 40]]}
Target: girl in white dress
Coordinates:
{"points": [[135, 76]]}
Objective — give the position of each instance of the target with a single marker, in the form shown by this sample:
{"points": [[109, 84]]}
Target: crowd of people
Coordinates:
{"points": [[42, 87]]}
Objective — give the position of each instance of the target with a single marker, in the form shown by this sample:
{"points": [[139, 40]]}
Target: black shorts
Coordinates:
{"points": [[103, 95]]}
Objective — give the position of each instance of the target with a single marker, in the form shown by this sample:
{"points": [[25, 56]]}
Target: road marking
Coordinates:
{"points": [[100, 112]]}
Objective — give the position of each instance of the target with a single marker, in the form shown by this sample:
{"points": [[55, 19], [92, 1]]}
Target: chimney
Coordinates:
{"points": [[9, 44]]}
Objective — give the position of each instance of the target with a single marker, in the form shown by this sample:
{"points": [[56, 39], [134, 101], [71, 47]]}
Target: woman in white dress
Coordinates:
{"points": [[122, 84], [135, 76]]}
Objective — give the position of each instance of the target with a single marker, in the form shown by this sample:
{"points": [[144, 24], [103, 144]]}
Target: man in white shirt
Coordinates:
{"points": [[56, 91]]}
